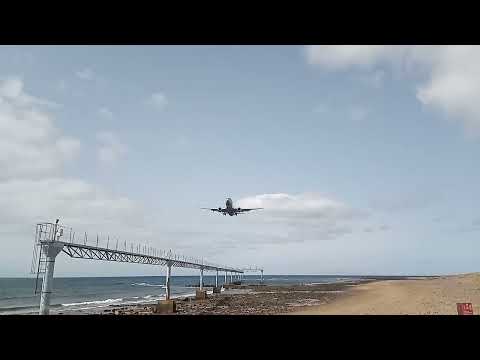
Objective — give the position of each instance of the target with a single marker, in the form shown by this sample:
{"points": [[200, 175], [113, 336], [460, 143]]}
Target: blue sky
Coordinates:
{"points": [[365, 158]]}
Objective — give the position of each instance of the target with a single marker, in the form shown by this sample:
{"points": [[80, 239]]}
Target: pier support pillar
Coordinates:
{"points": [[167, 282], [51, 251], [231, 277], [225, 278], [261, 278], [216, 280], [165, 307], [200, 294], [201, 279]]}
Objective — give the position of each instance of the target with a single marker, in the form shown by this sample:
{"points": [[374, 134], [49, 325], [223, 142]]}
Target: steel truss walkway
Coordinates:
{"points": [[48, 245]]}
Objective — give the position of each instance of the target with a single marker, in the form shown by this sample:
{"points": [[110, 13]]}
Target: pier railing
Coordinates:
{"points": [[84, 247]]}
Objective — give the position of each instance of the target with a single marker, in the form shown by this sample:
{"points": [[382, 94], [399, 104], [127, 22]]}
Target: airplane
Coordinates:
{"points": [[230, 210]]}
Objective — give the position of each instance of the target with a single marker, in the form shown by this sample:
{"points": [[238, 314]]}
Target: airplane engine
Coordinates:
{"points": [[220, 208]]}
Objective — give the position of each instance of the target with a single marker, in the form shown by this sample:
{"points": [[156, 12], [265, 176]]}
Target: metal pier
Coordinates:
{"points": [[252, 269], [50, 241]]}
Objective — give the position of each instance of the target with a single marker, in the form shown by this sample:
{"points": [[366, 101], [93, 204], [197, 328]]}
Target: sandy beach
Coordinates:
{"points": [[405, 297]]}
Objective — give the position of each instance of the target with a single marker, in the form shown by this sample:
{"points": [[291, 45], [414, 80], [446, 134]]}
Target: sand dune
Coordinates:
{"points": [[399, 297]]}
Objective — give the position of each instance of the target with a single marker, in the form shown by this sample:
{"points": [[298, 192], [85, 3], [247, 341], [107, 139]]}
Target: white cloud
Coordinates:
{"points": [[105, 113], [341, 57], [159, 100], [285, 220], [111, 148], [30, 144], [33, 188], [68, 147], [310, 204], [85, 74], [33, 152], [448, 76], [74, 201], [11, 90], [82, 206], [454, 85], [302, 217]]}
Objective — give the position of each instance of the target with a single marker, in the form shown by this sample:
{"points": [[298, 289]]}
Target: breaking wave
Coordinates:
{"points": [[99, 302], [147, 284]]}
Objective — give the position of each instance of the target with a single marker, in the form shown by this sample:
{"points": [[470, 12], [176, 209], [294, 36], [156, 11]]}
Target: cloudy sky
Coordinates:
{"points": [[365, 158]]}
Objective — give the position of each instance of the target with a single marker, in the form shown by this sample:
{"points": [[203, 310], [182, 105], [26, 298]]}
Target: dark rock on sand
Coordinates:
{"points": [[255, 299]]}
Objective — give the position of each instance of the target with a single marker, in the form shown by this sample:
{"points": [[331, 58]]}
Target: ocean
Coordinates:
{"points": [[87, 293]]}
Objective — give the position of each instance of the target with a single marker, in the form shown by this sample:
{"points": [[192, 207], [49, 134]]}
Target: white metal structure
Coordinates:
{"points": [[252, 269], [48, 245]]}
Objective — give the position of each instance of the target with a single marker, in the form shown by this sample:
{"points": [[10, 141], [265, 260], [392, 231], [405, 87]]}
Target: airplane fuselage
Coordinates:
{"points": [[229, 207]]}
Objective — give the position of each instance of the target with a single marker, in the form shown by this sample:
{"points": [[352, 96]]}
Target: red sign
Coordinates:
{"points": [[464, 308]]}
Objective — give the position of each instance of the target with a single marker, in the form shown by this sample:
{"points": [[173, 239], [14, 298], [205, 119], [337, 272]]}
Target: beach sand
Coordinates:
{"points": [[404, 297]]}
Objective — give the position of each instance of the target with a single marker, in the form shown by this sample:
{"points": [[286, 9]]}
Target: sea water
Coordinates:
{"points": [[93, 293]]}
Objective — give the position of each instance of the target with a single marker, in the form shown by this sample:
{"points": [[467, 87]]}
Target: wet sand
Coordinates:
{"points": [[436, 296]]}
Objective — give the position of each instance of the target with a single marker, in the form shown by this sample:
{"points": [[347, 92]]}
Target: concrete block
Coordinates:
{"points": [[217, 290], [166, 307], [201, 294]]}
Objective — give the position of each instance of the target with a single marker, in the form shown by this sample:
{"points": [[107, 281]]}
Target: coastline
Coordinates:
{"points": [[373, 296], [381, 295], [246, 299]]}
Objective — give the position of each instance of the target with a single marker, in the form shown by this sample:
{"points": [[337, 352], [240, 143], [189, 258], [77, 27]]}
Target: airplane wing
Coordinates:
{"points": [[214, 209], [244, 210]]}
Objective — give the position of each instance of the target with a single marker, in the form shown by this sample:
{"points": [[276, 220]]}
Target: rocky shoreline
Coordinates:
{"points": [[248, 300]]}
